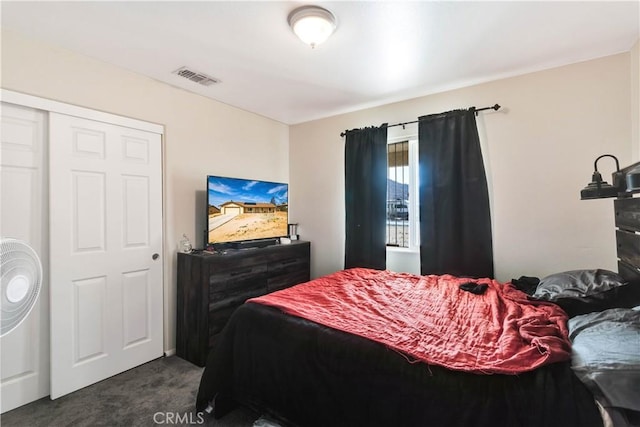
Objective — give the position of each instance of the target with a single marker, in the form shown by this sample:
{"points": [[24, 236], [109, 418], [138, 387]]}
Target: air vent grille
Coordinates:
{"points": [[196, 77]]}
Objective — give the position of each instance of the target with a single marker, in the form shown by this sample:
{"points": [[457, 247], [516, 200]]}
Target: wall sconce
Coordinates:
{"points": [[312, 24], [599, 189]]}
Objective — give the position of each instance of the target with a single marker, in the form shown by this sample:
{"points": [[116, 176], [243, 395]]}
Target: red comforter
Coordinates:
{"points": [[431, 319]]}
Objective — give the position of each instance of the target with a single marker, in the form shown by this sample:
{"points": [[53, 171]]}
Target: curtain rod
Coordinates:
{"points": [[495, 107]]}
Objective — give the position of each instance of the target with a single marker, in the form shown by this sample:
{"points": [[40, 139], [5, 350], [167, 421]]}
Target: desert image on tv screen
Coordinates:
{"points": [[240, 209]]}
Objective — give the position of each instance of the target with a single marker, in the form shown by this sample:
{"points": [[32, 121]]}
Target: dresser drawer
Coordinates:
{"points": [[285, 278], [251, 279], [287, 257], [286, 264], [236, 267]]}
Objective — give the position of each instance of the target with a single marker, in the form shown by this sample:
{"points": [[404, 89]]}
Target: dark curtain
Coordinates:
{"points": [[455, 222], [365, 197]]}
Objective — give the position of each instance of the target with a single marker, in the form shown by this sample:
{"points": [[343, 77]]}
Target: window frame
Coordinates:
{"points": [[414, 207]]}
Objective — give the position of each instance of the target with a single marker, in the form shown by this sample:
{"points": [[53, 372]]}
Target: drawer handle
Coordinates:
{"points": [[289, 261]]}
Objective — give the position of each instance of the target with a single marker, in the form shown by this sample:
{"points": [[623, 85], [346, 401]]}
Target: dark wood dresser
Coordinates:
{"points": [[212, 285]]}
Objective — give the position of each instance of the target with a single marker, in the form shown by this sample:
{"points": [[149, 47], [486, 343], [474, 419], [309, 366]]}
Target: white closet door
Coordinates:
{"points": [[24, 352], [105, 250]]}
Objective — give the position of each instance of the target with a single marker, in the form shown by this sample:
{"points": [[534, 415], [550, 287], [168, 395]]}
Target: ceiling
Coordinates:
{"points": [[381, 52]]}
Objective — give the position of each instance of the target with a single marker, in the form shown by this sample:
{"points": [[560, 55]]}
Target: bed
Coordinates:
{"points": [[344, 368]]}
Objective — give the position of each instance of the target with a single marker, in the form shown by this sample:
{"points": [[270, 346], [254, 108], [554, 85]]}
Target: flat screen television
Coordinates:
{"points": [[244, 210]]}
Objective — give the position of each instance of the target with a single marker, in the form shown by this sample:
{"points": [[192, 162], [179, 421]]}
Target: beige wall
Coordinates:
{"points": [[201, 136], [539, 150]]}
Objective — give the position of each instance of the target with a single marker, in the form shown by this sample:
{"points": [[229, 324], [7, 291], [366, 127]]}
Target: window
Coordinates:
{"points": [[402, 194]]}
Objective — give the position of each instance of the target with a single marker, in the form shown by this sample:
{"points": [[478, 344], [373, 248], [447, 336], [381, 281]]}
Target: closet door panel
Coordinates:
{"points": [[24, 352], [106, 295]]}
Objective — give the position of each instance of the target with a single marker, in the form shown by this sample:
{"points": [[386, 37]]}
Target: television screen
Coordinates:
{"points": [[242, 209]]}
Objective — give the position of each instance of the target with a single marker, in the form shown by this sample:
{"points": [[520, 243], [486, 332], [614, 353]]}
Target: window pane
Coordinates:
{"points": [[398, 194]]}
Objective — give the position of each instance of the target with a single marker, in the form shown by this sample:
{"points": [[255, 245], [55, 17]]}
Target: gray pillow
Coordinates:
{"points": [[577, 284]]}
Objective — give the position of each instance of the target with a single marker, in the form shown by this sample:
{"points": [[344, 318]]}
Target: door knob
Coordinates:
{"points": [[155, 256]]}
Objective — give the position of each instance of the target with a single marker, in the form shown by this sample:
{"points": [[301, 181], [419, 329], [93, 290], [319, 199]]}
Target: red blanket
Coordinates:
{"points": [[431, 319]]}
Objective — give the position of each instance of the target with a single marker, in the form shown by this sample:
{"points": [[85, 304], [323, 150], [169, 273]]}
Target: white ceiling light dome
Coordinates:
{"points": [[312, 24]]}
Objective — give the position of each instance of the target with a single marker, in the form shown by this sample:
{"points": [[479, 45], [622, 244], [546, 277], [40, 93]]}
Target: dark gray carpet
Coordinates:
{"points": [[161, 392]]}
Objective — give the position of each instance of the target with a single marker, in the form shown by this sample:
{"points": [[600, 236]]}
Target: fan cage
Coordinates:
{"points": [[18, 262]]}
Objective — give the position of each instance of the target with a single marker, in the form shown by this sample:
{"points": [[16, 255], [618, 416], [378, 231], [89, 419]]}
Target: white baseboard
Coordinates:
{"points": [[170, 352]]}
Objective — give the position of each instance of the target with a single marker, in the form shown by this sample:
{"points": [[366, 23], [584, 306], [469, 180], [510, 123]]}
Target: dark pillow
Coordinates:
{"points": [[585, 291], [577, 284]]}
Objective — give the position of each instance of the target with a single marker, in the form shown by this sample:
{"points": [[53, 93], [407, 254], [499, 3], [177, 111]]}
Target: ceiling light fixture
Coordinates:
{"points": [[312, 24]]}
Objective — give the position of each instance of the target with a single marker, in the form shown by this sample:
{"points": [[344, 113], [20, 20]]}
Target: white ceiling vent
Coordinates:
{"points": [[195, 76]]}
